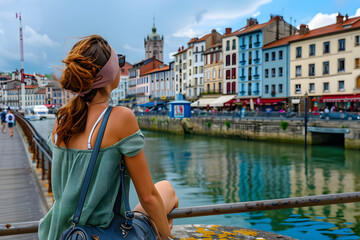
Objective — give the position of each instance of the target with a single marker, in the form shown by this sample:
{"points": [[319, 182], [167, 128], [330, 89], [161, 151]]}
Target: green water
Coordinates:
{"points": [[206, 170]]}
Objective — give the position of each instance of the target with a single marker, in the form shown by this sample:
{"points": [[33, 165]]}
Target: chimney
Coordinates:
{"points": [[227, 31], [182, 48], [251, 22], [212, 39], [303, 29], [339, 19], [346, 17], [179, 50]]}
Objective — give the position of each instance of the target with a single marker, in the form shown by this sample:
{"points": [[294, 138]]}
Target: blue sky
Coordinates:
{"points": [[50, 25]]}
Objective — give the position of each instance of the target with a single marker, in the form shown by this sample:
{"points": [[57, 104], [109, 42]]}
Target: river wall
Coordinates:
{"points": [[287, 130]]}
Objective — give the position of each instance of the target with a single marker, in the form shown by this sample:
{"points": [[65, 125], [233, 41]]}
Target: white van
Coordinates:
{"points": [[37, 112]]}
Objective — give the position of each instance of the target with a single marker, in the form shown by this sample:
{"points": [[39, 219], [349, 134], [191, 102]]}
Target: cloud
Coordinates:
{"points": [[321, 20], [171, 55], [187, 32], [31, 37], [128, 47], [1, 32], [256, 14]]}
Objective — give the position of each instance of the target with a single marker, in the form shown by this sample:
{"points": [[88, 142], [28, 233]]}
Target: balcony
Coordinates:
{"points": [[242, 63], [257, 60], [243, 47], [256, 92], [256, 76], [242, 77], [242, 92], [257, 44]]}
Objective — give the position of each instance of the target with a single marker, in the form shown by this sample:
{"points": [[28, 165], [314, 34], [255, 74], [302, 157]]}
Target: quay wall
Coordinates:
{"points": [[250, 129]]}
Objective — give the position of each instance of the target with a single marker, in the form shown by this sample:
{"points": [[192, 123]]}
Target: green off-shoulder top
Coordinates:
{"points": [[68, 172]]}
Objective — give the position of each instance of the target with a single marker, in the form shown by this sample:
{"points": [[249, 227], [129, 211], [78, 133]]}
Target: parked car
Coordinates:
{"points": [[339, 115]]}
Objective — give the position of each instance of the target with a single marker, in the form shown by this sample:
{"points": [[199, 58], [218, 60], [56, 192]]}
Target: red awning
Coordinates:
{"points": [[229, 103], [341, 98], [260, 101], [48, 105]]}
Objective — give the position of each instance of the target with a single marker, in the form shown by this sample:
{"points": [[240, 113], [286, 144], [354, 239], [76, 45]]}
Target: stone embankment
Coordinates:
{"points": [[276, 130]]}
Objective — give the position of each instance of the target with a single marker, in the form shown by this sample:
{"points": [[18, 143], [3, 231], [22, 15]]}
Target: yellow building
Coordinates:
{"points": [[324, 64], [213, 82]]}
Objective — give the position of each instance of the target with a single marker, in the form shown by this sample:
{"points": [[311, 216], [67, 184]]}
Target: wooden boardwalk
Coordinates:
{"points": [[19, 195]]}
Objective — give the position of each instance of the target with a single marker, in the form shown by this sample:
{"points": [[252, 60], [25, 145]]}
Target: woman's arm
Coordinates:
{"points": [[149, 197], [126, 124]]}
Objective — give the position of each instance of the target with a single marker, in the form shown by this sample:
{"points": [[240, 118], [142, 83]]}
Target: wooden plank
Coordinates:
{"points": [[19, 196]]}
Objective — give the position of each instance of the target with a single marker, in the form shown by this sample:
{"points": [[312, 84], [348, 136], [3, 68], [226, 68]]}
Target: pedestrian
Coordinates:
{"points": [[92, 71], [332, 109], [326, 110], [10, 119], [3, 120]]}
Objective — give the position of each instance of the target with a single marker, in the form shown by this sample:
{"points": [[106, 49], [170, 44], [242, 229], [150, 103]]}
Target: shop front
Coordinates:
{"points": [[348, 102]]}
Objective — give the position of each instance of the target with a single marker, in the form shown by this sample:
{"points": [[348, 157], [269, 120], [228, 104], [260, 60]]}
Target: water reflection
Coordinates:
{"points": [[226, 170], [206, 170]]}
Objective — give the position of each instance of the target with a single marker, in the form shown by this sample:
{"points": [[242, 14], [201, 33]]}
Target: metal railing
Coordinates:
{"points": [[41, 152], [217, 209]]}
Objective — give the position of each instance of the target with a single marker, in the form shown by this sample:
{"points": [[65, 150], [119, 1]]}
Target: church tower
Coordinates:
{"points": [[154, 45]]}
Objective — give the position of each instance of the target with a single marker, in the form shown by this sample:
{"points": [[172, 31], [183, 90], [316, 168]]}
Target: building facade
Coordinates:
{"points": [[214, 69], [119, 93], [183, 62], [324, 65]]}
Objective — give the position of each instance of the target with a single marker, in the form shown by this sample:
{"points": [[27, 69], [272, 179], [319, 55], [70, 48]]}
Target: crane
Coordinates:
{"points": [[18, 16]]}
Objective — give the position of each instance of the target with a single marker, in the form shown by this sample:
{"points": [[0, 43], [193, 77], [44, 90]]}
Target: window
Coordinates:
{"points": [[341, 85], [311, 69], [298, 71], [266, 73], [298, 52], [207, 75], [357, 40], [243, 72], [233, 44], [341, 65], [219, 73], [273, 56], [249, 73], [250, 41], [227, 74], [326, 87], [227, 60], [196, 70], [257, 38], [326, 47], [266, 88], [325, 68], [250, 57], [280, 71], [312, 50], [266, 57], [297, 88], [273, 73], [280, 54], [227, 45], [234, 59], [312, 87], [357, 62], [280, 88], [233, 73], [214, 73], [341, 44], [196, 56]]}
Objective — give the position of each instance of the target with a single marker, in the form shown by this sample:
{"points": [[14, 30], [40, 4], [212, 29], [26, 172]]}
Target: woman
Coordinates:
{"points": [[92, 72]]}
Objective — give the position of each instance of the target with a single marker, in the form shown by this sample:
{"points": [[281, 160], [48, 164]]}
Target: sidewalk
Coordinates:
{"points": [[19, 195]]}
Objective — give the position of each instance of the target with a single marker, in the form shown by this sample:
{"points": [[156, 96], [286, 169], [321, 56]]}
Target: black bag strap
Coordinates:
{"points": [[90, 168]]}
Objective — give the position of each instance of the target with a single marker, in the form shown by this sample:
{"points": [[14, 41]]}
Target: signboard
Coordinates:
{"points": [[178, 111], [295, 101]]}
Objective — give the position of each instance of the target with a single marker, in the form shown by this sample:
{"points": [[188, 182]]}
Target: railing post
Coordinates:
{"points": [[42, 159], [49, 177]]}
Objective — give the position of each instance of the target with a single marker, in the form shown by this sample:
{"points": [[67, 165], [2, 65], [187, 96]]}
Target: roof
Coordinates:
{"points": [[41, 91], [347, 25], [251, 28], [31, 86], [125, 69], [182, 51], [156, 70]]}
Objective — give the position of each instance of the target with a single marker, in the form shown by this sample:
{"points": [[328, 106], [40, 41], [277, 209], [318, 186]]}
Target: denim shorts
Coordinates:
{"points": [[10, 125], [143, 223]]}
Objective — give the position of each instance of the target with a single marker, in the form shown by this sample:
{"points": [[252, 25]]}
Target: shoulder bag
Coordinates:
{"points": [[128, 227]]}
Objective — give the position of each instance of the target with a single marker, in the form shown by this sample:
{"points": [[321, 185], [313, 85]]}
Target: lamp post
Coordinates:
{"points": [[305, 120]]}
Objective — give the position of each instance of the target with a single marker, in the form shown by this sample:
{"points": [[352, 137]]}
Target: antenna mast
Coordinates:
{"points": [[22, 62]]}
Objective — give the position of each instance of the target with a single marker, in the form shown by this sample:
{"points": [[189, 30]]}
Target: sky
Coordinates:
{"points": [[51, 27]]}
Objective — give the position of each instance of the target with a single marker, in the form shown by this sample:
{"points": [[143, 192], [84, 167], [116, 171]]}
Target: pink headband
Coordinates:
{"points": [[107, 74]]}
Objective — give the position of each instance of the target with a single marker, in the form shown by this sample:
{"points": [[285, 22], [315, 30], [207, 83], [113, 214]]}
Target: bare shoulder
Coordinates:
{"points": [[123, 121]]}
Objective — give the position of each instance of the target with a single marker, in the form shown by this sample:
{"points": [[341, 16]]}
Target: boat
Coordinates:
{"points": [[38, 112]]}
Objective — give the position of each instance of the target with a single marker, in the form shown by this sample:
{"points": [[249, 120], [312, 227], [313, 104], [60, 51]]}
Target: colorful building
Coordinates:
{"points": [[119, 93], [324, 65]]}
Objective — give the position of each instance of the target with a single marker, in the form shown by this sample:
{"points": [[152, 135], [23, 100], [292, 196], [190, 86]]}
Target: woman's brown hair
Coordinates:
{"points": [[83, 62]]}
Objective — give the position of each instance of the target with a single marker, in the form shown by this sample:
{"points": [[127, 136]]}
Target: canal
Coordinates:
{"points": [[206, 170]]}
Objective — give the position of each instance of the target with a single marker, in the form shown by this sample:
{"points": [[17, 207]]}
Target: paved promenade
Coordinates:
{"points": [[19, 196]]}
